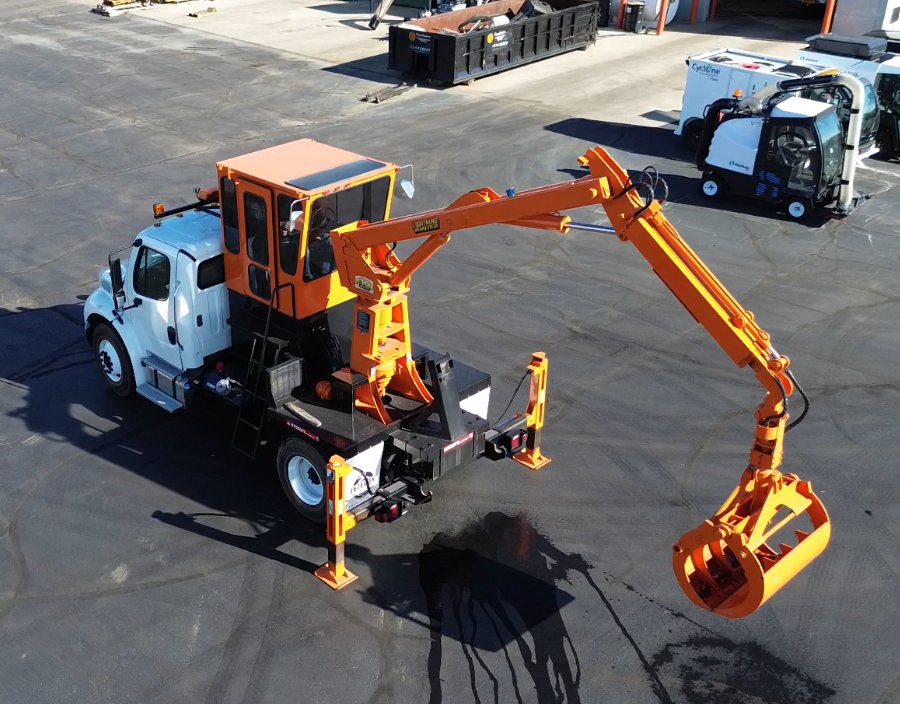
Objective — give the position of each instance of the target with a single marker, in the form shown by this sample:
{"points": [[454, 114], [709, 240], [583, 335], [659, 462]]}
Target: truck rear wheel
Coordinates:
{"points": [[112, 358], [301, 471]]}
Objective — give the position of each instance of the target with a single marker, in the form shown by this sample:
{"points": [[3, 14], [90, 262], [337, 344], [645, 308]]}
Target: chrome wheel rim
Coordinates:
{"points": [[304, 480], [109, 361]]}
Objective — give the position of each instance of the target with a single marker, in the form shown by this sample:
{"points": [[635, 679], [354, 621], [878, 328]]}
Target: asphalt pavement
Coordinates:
{"points": [[142, 560]]}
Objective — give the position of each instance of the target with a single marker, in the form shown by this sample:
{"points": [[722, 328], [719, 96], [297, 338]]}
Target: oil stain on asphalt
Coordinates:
{"points": [[493, 588], [714, 670]]}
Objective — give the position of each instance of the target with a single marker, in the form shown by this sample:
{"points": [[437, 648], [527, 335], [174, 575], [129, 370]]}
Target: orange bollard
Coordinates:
{"points": [[828, 18], [661, 20], [337, 523]]}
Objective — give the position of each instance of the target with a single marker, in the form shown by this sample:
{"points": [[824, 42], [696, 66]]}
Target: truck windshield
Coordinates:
{"points": [[831, 137]]}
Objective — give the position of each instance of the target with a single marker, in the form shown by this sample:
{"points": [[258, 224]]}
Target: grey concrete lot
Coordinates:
{"points": [[141, 560]]}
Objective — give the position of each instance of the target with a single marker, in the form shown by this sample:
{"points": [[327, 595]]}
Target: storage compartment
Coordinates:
{"points": [[281, 380], [455, 47]]}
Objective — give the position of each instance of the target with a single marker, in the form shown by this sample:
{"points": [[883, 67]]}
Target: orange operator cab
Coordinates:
{"points": [[278, 208]]}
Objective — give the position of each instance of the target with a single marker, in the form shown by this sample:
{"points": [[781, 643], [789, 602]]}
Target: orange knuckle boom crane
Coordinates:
{"points": [[725, 565], [302, 247]]}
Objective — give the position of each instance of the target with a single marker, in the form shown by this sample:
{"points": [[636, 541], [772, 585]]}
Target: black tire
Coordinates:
{"points": [[113, 360], [301, 471], [799, 209], [712, 186]]}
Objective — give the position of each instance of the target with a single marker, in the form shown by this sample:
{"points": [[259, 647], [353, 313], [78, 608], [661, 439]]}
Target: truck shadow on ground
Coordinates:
{"points": [[493, 588]]}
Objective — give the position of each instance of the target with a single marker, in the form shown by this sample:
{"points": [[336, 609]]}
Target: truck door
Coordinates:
{"points": [[153, 319], [256, 220], [186, 312]]}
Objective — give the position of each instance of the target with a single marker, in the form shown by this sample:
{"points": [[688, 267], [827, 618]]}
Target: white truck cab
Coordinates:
{"points": [[163, 309]]}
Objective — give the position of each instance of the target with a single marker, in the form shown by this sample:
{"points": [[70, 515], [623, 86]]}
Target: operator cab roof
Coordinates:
{"points": [[304, 166], [794, 107]]}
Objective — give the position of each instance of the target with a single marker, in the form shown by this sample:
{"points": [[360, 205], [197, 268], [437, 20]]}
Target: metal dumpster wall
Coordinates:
{"points": [[431, 51]]}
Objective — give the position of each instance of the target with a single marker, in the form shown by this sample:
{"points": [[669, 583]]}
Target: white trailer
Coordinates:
{"points": [[718, 73]]}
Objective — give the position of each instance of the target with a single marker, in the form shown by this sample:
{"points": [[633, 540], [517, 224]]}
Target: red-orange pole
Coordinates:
{"points": [[694, 11], [661, 20], [829, 16], [621, 14]]}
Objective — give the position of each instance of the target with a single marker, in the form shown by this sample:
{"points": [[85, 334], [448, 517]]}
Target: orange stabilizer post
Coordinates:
{"points": [[531, 456], [337, 523], [725, 565]]}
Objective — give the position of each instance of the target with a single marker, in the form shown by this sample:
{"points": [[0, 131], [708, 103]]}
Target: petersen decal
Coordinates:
{"points": [[426, 225], [303, 431], [363, 284], [458, 443]]}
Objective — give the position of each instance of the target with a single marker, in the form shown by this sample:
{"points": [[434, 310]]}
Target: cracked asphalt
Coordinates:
{"points": [[142, 560]]}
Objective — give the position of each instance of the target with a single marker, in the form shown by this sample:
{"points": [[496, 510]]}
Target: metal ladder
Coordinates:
{"points": [[253, 409]]}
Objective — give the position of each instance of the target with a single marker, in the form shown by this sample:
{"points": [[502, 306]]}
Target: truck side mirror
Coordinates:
{"points": [[115, 272], [409, 188]]}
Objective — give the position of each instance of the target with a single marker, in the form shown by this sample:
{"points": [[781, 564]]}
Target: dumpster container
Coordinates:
{"points": [[457, 47], [634, 16]]}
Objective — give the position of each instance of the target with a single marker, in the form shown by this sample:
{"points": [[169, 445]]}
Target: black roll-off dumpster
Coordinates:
{"points": [[459, 46]]}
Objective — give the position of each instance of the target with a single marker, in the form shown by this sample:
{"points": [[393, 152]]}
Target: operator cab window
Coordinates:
{"points": [[230, 216], [257, 234], [211, 272], [289, 237], [319, 260], [151, 274], [257, 231], [367, 201]]}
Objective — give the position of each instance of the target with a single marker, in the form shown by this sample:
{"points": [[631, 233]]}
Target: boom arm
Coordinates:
{"points": [[724, 565]]}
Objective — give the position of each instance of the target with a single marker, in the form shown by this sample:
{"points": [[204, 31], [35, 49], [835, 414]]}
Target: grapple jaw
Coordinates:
{"points": [[726, 566]]}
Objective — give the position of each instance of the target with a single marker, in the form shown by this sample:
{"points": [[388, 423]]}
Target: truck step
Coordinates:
{"points": [[165, 402], [158, 363]]}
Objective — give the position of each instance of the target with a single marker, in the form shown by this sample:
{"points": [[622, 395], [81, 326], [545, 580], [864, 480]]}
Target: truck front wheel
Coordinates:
{"points": [[113, 360], [301, 471]]}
